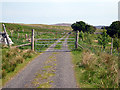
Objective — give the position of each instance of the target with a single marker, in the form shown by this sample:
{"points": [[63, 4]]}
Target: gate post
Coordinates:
{"points": [[77, 38], [32, 40]]}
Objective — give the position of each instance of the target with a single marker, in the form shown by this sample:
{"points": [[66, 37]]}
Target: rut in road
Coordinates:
{"points": [[48, 70]]}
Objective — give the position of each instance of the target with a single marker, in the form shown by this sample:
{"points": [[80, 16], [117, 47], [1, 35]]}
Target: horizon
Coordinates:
{"points": [[96, 13], [48, 24]]}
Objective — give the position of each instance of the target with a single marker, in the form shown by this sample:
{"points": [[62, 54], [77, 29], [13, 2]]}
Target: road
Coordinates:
{"points": [[51, 69]]}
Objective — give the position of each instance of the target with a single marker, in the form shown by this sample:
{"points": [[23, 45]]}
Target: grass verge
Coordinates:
{"points": [[95, 70], [8, 73]]}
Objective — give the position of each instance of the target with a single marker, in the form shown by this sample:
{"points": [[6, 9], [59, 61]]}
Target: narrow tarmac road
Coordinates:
{"points": [[51, 69]]}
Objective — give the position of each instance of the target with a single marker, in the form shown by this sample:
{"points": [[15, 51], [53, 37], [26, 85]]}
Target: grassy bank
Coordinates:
{"points": [[95, 70], [13, 61]]}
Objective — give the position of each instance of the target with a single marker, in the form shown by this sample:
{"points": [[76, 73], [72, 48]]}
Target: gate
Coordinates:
{"points": [[53, 41]]}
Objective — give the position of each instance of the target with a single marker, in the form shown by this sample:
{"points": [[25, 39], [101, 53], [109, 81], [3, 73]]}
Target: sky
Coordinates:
{"points": [[94, 12]]}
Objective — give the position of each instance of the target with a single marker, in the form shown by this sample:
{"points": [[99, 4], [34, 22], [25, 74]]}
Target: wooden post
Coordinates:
{"points": [[6, 35], [18, 35], [111, 46], [11, 33], [32, 40], [77, 38], [25, 36]]}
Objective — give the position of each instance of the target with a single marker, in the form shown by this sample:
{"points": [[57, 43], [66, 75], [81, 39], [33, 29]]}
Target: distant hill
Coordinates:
{"points": [[68, 24], [63, 24], [99, 27]]}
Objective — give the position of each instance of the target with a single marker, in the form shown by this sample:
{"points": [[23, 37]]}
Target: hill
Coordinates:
{"points": [[63, 24]]}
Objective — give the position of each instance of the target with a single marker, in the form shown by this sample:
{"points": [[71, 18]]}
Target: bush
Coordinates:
{"points": [[100, 71]]}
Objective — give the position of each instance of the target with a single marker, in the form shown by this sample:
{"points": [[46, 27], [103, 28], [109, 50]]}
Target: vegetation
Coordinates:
{"points": [[103, 39], [15, 58], [116, 43], [95, 68], [114, 29], [82, 26], [17, 32]]}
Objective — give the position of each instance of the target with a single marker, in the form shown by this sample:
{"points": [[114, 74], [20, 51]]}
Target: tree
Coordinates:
{"points": [[89, 28], [79, 26], [82, 26], [103, 39], [114, 29]]}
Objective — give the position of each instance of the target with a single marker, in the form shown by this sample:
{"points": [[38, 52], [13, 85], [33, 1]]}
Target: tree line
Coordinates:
{"points": [[108, 32]]}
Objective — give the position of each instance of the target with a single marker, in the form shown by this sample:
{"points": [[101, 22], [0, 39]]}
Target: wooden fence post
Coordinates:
{"points": [[25, 36], [18, 35], [6, 35], [77, 38], [11, 34], [32, 40], [111, 46]]}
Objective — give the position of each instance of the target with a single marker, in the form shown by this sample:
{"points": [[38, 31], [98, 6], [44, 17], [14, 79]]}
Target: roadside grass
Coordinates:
{"points": [[14, 60], [95, 70]]}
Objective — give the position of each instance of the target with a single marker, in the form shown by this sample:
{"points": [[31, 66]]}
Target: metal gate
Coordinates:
{"points": [[56, 44]]}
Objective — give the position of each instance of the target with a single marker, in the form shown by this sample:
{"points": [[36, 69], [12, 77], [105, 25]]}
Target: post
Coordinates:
{"points": [[111, 46], [11, 33], [32, 40], [18, 35], [77, 38], [25, 36], [6, 35]]}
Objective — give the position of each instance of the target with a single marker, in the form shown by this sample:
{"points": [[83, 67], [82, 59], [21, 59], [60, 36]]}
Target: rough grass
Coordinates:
{"points": [[95, 70], [13, 58]]}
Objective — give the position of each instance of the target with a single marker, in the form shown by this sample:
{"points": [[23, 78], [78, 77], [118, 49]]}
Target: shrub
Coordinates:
{"points": [[19, 59], [100, 71]]}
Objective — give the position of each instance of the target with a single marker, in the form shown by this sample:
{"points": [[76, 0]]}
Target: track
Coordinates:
{"points": [[48, 70]]}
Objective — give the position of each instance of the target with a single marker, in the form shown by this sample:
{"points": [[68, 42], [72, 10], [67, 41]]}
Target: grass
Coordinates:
{"points": [[43, 77], [45, 85], [17, 32], [95, 70], [15, 59], [46, 67], [9, 72], [57, 47]]}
